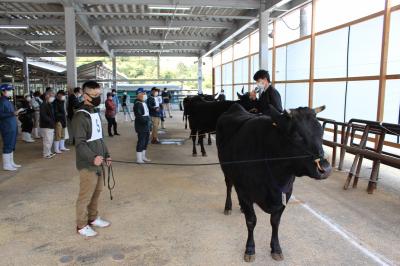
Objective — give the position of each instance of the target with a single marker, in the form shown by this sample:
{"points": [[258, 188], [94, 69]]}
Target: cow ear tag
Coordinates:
{"points": [[284, 199], [274, 124]]}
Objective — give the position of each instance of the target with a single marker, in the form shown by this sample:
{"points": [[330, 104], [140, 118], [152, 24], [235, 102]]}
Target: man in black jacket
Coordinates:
{"points": [[269, 95], [142, 125], [74, 102], [154, 110], [61, 122], [47, 124]]}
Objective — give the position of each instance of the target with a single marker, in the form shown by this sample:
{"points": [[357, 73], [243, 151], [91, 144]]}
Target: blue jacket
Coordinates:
{"points": [[116, 102], [8, 121]]}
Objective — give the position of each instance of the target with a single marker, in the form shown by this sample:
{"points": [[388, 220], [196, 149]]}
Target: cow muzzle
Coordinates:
{"points": [[324, 168]]}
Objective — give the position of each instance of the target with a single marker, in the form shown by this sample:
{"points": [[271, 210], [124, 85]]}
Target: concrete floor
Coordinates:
{"points": [[174, 215]]}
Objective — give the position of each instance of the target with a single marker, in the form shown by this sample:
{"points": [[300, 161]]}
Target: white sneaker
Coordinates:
{"points": [[49, 156], [87, 231], [100, 223]]}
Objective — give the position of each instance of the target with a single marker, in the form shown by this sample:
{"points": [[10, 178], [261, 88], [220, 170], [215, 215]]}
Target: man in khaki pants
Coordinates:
{"points": [[154, 108], [91, 153]]}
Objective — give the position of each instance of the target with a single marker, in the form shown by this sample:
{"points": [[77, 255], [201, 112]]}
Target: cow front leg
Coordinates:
{"points": [[209, 139], [203, 151], [276, 251], [228, 201], [194, 153], [251, 221]]}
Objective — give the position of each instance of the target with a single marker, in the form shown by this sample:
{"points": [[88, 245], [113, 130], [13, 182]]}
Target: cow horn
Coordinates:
{"points": [[237, 93], [243, 90], [319, 109]]}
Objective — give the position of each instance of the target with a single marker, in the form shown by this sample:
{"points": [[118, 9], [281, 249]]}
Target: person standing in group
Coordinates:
{"points": [[154, 110], [125, 106], [166, 96], [110, 115], [26, 118], [61, 122], [8, 128], [47, 124], [91, 154], [74, 101], [116, 101], [36, 103], [142, 125], [269, 95], [162, 113]]}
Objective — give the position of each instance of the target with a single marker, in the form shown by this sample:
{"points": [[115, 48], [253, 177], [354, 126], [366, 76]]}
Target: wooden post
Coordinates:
{"points": [[312, 53], [384, 59]]}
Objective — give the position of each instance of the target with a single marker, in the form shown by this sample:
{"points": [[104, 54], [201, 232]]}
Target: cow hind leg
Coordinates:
{"points": [[209, 139], [251, 221], [203, 151], [194, 152], [228, 201], [276, 251]]}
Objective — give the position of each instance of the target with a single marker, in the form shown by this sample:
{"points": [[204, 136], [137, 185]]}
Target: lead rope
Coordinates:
{"points": [[110, 177]]}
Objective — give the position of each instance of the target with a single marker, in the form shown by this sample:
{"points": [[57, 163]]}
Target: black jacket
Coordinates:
{"points": [[47, 119], [73, 105], [26, 117], [166, 95], [142, 123], [270, 96], [153, 109], [59, 112]]}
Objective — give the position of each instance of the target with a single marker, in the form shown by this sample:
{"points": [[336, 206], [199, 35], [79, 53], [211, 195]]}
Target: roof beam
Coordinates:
{"points": [[11, 52], [161, 23], [33, 22], [93, 32], [84, 38], [173, 54], [237, 4]]}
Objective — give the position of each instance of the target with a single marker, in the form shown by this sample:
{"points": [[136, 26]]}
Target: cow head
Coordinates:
{"points": [[304, 137]]}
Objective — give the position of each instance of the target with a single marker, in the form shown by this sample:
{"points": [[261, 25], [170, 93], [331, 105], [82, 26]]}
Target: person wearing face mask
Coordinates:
{"points": [[74, 101], [26, 118], [47, 124], [8, 128], [125, 106], [61, 122], [115, 100], [154, 108], [110, 116], [142, 125], [36, 103], [269, 95], [91, 154]]}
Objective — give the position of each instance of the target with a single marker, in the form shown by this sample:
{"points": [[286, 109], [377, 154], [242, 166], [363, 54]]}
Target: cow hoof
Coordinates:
{"points": [[194, 155], [227, 212], [210, 143], [277, 256], [204, 154], [249, 258]]}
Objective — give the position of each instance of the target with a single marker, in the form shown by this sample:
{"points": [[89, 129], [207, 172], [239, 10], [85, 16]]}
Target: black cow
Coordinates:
{"points": [[203, 116], [250, 150]]}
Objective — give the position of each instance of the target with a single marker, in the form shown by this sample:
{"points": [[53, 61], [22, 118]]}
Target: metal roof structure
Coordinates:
{"points": [[130, 27]]}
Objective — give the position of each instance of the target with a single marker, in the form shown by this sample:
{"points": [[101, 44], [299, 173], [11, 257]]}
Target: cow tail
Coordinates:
{"points": [[185, 121]]}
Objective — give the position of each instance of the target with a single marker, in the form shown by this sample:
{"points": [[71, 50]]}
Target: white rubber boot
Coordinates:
{"points": [[139, 157], [36, 133], [7, 162], [62, 145], [145, 159], [126, 118], [57, 147], [28, 137], [12, 161], [130, 115]]}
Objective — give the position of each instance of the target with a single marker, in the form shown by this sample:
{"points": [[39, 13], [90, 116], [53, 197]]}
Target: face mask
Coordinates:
{"points": [[113, 93], [125, 93], [51, 99], [144, 97], [28, 99], [260, 86], [95, 101], [62, 98], [155, 94]]}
